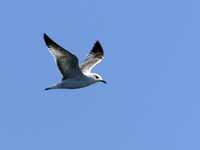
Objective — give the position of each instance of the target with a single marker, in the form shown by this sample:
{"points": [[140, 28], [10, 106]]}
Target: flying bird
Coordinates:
{"points": [[75, 76]]}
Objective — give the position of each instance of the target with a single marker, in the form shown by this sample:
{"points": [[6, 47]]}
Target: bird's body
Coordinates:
{"points": [[73, 83], [74, 75]]}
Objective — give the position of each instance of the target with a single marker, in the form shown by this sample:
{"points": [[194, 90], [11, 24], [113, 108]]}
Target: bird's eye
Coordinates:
{"points": [[96, 77]]}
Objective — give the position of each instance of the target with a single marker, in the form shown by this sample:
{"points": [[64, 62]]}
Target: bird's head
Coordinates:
{"points": [[98, 78]]}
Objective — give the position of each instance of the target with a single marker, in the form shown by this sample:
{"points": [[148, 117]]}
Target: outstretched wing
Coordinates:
{"points": [[95, 56], [67, 62]]}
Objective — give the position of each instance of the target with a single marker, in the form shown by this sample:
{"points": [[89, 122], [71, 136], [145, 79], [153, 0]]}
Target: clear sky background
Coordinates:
{"points": [[152, 51]]}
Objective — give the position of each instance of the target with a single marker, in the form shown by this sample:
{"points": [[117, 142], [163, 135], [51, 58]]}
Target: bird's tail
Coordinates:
{"points": [[50, 88]]}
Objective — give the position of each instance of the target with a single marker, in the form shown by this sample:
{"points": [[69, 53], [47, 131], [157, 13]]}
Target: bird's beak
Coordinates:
{"points": [[104, 81]]}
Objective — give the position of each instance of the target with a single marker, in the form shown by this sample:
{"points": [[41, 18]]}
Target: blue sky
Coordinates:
{"points": [[151, 65]]}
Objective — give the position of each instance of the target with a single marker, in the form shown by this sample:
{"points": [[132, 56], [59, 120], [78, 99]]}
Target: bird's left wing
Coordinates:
{"points": [[67, 62]]}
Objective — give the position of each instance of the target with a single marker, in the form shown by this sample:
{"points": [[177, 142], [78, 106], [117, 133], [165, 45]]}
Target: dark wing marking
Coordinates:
{"points": [[67, 62], [95, 56]]}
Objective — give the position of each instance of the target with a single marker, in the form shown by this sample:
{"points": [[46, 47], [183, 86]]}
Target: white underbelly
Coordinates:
{"points": [[74, 84]]}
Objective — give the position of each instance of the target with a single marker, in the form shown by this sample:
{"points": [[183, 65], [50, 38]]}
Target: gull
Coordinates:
{"points": [[75, 76]]}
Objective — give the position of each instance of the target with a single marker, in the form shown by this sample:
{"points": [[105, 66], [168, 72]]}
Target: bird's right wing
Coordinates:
{"points": [[67, 62], [95, 56]]}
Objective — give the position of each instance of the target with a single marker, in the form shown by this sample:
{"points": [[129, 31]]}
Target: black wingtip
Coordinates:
{"points": [[97, 48], [97, 44], [46, 39], [45, 36]]}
